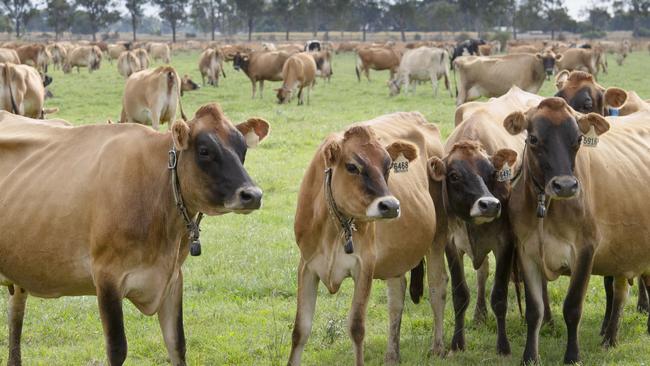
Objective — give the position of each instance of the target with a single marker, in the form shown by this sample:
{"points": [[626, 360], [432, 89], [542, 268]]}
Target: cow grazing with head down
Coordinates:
{"points": [[359, 179], [83, 56], [115, 51], [298, 72], [578, 210], [421, 64], [211, 65], [116, 242], [260, 66]]}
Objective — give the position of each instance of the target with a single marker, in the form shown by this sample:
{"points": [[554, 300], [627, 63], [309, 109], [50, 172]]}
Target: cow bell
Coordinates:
{"points": [[541, 206], [348, 247], [195, 248]]}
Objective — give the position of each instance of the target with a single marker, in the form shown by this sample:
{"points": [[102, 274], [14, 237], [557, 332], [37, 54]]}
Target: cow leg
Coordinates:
{"points": [[261, 89], [110, 311], [548, 316], [307, 292], [170, 317], [618, 303], [17, 302], [203, 79], [462, 95], [572, 309], [499, 296], [437, 278], [533, 284], [480, 311], [396, 293], [447, 85], [366, 70], [642, 303], [608, 282], [460, 294], [434, 85], [646, 279], [357, 316], [254, 82], [300, 100]]}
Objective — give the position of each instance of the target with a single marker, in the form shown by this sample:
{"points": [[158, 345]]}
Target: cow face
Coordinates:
{"points": [[212, 154], [240, 61], [554, 137], [360, 169], [548, 59], [394, 87], [284, 95], [583, 94], [187, 84], [476, 184]]}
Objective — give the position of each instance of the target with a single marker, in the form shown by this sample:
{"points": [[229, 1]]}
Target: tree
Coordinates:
{"points": [[402, 12], [99, 14], [59, 16], [18, 11], [135, 9], [205, 15], [287, 11], [173, 11], [249, 11], [368, 13]]}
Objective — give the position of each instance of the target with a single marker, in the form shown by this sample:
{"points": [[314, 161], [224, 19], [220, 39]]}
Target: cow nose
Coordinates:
{"points": [[489, 206], [250, 198], [388, 208], [564, 186]]}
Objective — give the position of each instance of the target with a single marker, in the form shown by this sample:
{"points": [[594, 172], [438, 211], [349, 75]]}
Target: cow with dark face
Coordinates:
{"points": [[187, 84], [467, 47], [585, 95]]}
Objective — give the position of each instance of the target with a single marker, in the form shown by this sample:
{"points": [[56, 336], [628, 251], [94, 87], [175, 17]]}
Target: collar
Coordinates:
{"points": [[191, 225], [538, 188], [347, 224]]}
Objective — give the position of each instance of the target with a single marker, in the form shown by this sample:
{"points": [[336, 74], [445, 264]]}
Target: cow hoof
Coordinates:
{"points": [[642, 307], [570, 359], [503, 348], [438, 350], [480, 315], [392, 358], [458, 342], [609, 342]]}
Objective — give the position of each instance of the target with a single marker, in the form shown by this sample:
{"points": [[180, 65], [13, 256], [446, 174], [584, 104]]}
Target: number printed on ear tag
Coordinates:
{"points": [[401, 164], [505, 173], [590, 139]]}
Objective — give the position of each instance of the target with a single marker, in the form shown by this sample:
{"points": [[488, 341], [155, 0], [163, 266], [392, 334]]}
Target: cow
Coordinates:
{"points": [[485, 50], [9, 55], [159, 51], [34, 54], [116, 241], [23, 90], [572, 214], [633, 103], [299, 71], [187, 84], [585, 95], [143, 57], [523, 49], [466, 48], [260, 66], [358, 179], [152, 96], [83, 56], [579, 59], [377, 58], [115, 51], [421, 64], [323, 61], [472, 216], [347, 47], [211, 65], [312, 45], [58, 54], [230, 51], [492, 76], [127, 64]]}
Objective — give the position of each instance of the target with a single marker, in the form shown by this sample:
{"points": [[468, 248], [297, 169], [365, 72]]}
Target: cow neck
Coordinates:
{"points": [[192, 226], [346, 223], [538, 189]]}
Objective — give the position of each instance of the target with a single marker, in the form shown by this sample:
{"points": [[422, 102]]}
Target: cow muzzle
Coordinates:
{"points": [[245, 200], [386, 207], [563, 187], [485, 209]]}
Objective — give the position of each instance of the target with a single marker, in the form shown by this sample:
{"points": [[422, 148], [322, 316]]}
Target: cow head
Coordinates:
{"points": [[211, 161], [555, 133], [284, 95], [548, 59], [360, 169], [394, 87], [240, 61], [187, 84], [582, 93]]}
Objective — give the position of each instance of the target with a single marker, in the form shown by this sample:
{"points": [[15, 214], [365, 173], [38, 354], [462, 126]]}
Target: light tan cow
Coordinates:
{"points": [[579, 59], [260, 66], [421, 64], [115, 51], [377, 58], [298, 72], [485, 50], [229, 51], [373, 171], [579, 210], [128, 63], [83, 56], [347, 47], [34, 54], [523, 49], [492, 76], [143, 57], [159, 51], [9, 55], [152, 97], [115, 241], [585, 95], [22, 91], [59, 54], [211, 65]]}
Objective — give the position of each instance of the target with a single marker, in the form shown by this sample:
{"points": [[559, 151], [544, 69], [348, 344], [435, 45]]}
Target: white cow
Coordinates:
{"points": [[421, 64]]}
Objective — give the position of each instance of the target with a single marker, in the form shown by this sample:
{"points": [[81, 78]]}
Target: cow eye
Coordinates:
{"points": [[532, 139], [454, 177], [203, 151], [352, 169]]}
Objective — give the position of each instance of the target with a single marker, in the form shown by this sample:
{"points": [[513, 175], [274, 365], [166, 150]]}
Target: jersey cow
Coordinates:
{"points": [[421, 64], [211, 65], [22, 90], [127, 64], [298, 72], [377, 58], [260, 66], [83, 56]]}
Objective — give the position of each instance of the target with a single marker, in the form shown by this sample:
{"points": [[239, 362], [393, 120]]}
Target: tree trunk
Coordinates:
{"points": [[213, 22], [94, 36], [17, 27], [173, 24], [133, 25], [364, 33], [250, 29], [286, 33]]}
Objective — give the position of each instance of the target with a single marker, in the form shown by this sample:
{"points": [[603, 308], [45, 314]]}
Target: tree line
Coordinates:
{"points": [[319, 17]]}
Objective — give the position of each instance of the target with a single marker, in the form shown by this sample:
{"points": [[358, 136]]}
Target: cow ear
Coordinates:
{"points": [[407, 149], [437, 169], [559, 57], [254, 131], [561, 79], [504, 156], [515, 123], [615, 97], [181, 135], [598, 122], [539, 56], [332, 152]]}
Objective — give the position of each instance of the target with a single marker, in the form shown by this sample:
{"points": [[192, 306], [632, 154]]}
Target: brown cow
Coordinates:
{"points": [[187, 84], [143, 57], [115, 51], [579, 211], [159, 51], [211, 65], [127, 64], [58, 54], [125, 241], [585, 95], [374, 170], [299, 71], [579, 59], [23, 91], [347, 47], [377, 58], [35, 55], [260, 66], [83, 56], [9, 55], [523, 49]]}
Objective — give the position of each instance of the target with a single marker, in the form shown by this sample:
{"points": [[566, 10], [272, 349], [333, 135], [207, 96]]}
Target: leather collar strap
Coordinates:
{"points": [[191, 225], [541, 194], [347, 224]]}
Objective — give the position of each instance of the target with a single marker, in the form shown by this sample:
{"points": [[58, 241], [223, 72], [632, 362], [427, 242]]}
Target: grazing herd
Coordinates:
{"points": [[551, 186]]}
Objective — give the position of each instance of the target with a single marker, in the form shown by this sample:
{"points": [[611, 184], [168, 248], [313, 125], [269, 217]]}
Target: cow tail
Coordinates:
{"points": [[7, 75], [453, 69], [516, 279], [416, 287], [356, 68]]}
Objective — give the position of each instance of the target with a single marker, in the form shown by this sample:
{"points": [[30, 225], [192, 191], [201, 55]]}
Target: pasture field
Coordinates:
{"points": [[240, 294]]}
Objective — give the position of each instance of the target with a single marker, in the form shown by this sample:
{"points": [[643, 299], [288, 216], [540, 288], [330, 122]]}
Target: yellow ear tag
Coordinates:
{"points": [[590, 139], [401, 164], [505, 173]]}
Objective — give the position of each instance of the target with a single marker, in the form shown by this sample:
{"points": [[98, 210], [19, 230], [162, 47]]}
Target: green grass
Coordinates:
{"points": [[240, 294]]}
